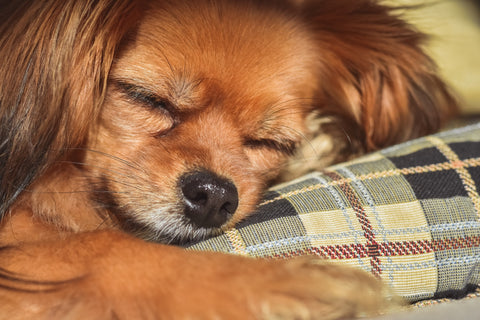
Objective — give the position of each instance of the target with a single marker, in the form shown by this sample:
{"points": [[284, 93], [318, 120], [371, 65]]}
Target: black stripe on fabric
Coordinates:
{"points": [[475, 174], [466, 150], [419, 158], [276, 209], [436, 185], [432, 185], [456, 293]]}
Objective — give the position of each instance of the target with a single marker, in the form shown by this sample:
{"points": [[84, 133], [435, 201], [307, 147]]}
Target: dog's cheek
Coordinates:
{"points": [[122, 160], [267, 163]]}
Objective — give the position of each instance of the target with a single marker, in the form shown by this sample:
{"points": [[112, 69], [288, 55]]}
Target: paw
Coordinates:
{"points": [[314, 289], [230, 287]]}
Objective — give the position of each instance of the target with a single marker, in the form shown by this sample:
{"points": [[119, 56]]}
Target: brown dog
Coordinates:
{"points": [[167, 120]]}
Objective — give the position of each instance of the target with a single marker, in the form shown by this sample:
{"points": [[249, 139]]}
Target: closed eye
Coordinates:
{"points": [[167, 115], [284, 146], [144, 96]]}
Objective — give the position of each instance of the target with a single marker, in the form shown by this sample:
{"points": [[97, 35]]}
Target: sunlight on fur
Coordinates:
{"points": [[126, 124]]}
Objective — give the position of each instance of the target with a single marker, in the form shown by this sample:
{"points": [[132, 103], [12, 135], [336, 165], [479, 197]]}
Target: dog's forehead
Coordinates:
{"points": [[233, 45]]}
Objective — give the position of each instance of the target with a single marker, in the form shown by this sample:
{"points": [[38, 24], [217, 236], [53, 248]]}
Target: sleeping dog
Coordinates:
{"points": [[126, 121]]}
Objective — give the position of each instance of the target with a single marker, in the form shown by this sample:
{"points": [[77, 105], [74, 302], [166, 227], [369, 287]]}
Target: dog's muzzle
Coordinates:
{"points": [[209, 200]]}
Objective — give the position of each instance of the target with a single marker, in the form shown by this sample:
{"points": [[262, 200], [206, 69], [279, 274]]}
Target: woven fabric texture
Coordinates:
{"points": [[409, 214]]}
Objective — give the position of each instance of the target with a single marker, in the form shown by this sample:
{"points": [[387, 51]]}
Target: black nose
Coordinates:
{"points": [[210, 200]]}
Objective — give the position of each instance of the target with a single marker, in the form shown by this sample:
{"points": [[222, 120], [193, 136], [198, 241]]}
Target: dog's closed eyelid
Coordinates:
{"points": [[284, 146], [150, 100], [144, 96]]}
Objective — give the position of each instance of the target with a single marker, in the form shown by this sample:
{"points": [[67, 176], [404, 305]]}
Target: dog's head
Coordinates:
{"points": [[180, 118], [204, 104]]}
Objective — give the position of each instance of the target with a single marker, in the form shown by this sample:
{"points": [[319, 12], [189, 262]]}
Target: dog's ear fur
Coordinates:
{"points": [[55, 61], [374, 72]]}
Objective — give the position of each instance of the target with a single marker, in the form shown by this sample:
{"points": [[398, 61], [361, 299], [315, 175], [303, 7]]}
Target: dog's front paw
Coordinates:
{"points": [[314, 289], [206, 286]]}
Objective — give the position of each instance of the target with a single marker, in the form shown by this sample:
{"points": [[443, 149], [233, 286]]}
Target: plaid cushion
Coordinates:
{"points": [[409, 214]]}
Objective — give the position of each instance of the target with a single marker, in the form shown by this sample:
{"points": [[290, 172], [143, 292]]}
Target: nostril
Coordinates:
{"points": [[228, 208], [195, 194], [210, 200]]}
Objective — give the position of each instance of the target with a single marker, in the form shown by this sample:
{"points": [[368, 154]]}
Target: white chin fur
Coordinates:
{"points": [[170, 228]]}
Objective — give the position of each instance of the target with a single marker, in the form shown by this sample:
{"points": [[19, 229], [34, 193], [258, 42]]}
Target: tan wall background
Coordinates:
{"points": [[455, 44]]}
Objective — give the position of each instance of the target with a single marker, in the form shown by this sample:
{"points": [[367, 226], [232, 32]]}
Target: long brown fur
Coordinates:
{"points": [[108, 108]]}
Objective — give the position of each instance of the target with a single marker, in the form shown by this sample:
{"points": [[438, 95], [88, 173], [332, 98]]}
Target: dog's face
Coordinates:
{"points": [[202, 109]]}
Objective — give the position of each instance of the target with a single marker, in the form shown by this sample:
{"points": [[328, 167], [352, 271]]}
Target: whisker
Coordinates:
{"points": [[120, 160], [109, 170], [136, 186]]}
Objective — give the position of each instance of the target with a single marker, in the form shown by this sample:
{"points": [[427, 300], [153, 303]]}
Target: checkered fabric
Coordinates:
{"points": [[409, 214]]}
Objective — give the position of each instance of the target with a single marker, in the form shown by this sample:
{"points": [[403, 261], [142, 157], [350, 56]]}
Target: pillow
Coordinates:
{"points": [[409, 214]]}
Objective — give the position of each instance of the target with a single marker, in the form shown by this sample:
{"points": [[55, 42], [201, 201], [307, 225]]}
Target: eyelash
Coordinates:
{"points": [[287, 147], [145, 97], [150, 100]]}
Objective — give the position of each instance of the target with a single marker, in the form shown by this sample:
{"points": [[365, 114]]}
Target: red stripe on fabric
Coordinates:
{"points": [[400, 248], [372, 245]]}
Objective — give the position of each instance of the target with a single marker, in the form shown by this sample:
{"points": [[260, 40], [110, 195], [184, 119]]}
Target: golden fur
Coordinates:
{"points": [[167, 120]]}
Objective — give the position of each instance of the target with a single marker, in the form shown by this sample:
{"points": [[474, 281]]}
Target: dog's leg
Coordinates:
{"points": [[107, 274]]}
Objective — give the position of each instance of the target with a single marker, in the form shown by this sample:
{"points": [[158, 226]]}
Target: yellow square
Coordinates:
{"points": [[329, 228], [411, 275], [399, 222]]}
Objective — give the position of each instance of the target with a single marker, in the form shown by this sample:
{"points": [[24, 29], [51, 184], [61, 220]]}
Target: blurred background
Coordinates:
{"points": [[454, 27]]}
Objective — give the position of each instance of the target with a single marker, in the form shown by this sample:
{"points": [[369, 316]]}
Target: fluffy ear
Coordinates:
{"points": [[374, 72], [55, 57]]}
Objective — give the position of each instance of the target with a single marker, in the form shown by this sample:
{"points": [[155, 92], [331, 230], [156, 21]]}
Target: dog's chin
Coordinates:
{"points": [[173, 229]]}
